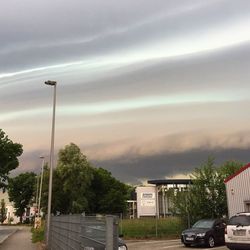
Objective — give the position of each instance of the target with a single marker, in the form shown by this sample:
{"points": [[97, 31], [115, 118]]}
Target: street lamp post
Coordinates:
{"points": [[37, 188], [41, 184], [51, 83]]}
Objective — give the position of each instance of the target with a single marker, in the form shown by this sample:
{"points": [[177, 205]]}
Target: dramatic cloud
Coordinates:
{"points": [[140, 83]]}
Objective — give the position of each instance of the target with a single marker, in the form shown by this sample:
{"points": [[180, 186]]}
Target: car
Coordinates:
{"points": [[121, 244], [237, 231], [208, 232]]}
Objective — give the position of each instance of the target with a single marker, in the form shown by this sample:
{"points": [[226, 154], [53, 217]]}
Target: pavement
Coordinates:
{"points": [[16, 238], [164, 245]]}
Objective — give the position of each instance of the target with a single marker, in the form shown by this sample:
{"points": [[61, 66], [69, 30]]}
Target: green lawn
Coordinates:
{"points": [[170, 227]]}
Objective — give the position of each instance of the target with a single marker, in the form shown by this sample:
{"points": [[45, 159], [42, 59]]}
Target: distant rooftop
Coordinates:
{"points": [[170, 181]]}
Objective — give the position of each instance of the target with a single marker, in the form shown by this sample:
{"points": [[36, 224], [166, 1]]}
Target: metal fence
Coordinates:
{"points": [[80, 232]]}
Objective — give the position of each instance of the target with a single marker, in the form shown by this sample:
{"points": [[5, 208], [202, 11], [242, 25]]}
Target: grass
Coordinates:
{"points": [[38, 234], [170, 227]]}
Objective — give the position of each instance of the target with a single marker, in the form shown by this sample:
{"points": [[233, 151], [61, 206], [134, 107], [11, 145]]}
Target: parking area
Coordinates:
{"points": [[163, 244]]}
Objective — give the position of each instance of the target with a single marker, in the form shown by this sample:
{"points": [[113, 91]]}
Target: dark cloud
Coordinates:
{"points": [[136, 169]]}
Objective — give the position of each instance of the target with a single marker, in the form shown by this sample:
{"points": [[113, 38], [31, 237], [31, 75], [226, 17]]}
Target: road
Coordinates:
{"points": [[163, 244], [6, 231]]}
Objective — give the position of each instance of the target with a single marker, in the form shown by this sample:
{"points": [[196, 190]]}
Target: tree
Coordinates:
{"points": [[9, 151], [206, 198], [21, 189], [110, 195], [3, 211], [75, 173], [79, 187], [60, 199]]}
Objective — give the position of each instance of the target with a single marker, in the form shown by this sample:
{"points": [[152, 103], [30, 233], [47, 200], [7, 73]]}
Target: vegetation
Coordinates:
{"points": [[80, 187], [9, 151], [206, 198], [2, 211], [170, 227], [21, 191], [38, 234]]}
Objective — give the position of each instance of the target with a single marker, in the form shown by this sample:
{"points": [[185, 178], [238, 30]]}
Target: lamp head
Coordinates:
{"points": [[51, 83]]}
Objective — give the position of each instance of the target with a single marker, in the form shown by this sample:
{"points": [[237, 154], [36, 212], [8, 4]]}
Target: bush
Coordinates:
{"points": [[38, 234]]}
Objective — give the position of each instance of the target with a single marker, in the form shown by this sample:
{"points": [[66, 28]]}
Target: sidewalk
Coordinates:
{"points": [[20, 240]]}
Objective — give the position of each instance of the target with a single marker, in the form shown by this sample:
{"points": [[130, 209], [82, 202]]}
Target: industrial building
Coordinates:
{"points": [[238, 191], [153, 201]]}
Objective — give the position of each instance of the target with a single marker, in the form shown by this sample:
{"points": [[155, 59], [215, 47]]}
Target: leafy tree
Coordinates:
{"points": [[9, 151], [21, 189], [206, 198], [110, 195], [75, 173], [79, 187], [3, 211], [60, 199]]}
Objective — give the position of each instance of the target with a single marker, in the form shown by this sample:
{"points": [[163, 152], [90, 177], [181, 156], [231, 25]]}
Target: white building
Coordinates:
{"points": [[238, 191], [10, 210], [154, 201]]}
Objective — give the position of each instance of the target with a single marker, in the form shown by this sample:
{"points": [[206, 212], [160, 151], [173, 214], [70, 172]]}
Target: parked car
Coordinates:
{"points": [[237, 232], [208, 232], [121, 244]]}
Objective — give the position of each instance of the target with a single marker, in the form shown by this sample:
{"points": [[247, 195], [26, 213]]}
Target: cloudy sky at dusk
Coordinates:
{"points": [[147, 89]]}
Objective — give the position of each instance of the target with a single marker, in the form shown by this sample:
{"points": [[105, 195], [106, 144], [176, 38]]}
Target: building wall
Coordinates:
{"points": [[10, 210], [238, 192], [146, 201]]}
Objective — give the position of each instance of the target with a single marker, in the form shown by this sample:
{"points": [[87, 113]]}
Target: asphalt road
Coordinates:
{"points": [[164, 244], [6, 231]]}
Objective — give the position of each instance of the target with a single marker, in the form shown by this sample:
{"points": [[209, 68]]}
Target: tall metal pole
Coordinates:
{"points": [[41, 185], [51, 83], [37, 188]]}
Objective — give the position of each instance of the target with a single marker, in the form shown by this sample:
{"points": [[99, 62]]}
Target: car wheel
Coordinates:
{"points": [[211, 242], [123, 247], [187, 245]]}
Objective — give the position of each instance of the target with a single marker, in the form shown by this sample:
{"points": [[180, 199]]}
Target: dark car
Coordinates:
{"points": [[208, 232]]}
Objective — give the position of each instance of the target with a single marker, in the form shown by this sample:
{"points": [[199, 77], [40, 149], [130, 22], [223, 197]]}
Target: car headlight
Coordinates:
{"points": [[201, 234]]}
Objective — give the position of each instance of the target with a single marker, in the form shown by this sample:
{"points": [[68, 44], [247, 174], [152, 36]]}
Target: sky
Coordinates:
{"points": [[147, 89]]}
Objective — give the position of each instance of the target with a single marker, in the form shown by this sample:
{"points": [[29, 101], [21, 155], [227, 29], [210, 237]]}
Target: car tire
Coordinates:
{"points": [[187, 245], [210, 242], [123, 247]]}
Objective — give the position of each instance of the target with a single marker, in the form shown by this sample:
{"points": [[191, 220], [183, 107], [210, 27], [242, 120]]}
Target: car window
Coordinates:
{"points": [[243, 220], [204, 224]]}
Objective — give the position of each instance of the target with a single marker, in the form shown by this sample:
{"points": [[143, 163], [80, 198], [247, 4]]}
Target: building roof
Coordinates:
{"points": [[237, 173], [170, 181]]}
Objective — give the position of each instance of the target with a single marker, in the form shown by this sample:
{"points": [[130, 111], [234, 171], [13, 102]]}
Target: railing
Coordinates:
{"points": [[80, 232]]}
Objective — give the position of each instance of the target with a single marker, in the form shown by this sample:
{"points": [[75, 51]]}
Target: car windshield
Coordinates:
{"points": [[242, 220], [204, 224]]}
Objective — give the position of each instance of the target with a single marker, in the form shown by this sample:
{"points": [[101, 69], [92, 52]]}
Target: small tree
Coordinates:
{"points": [[21, 190], [3, 211]]}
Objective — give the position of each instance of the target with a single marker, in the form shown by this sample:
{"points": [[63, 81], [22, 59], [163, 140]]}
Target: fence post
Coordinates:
{"points": [[111, 232], [82, 230]]}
